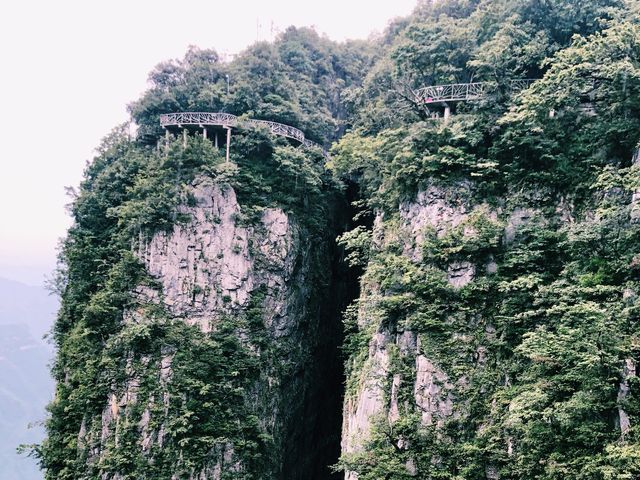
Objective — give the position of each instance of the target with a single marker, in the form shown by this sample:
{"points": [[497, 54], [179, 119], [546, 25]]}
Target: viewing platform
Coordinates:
{"points": [[208, 120], [443, 95]]}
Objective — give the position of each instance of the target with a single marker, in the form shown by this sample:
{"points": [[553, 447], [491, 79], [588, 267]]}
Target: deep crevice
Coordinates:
{"points": [[314, 430]]}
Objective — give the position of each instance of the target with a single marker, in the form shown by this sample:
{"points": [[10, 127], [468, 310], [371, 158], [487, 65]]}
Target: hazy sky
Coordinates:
{"points": [[69, 68]]}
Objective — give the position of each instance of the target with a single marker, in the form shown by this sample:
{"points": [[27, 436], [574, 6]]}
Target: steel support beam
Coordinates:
{"points": [[228, 142]]}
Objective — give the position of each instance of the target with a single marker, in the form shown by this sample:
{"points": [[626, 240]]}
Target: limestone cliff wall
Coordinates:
{"points": [[434, 208], [436, 390], [214, 267]]}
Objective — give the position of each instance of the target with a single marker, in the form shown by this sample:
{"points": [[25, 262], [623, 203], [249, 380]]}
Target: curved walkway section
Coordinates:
{"points": [[460, 92], [227, 120]]}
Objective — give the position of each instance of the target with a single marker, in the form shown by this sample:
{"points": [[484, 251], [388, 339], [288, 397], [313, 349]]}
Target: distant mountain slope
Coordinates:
{"points": [[27, 305], [26, 314]]}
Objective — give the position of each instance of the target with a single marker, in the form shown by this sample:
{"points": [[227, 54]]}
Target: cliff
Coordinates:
{"points": [[207, 346], [200, 325], [495, 336], [476, 317], [266, 286]]}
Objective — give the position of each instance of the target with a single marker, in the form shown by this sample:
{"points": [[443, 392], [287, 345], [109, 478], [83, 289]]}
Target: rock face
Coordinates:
{"points": [[628, 373], [212, 267], [433, 392], [361, 409], [436, 209], [208, 267], [431, 375], [440, 211]]}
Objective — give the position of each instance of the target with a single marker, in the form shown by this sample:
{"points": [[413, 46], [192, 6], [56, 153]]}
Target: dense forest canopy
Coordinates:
{"points": [[562, 304], [497, 137], [296, 80], [464, 41]]}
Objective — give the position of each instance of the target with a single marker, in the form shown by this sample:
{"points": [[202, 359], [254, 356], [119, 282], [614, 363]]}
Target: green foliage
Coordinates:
{"points": [[392, 166], [598, 74], [499, 147], [271, 173], [462, 41], [554, 329], [297, 80], [475, 239], [357, 243], [205, 409], [159, 188]]}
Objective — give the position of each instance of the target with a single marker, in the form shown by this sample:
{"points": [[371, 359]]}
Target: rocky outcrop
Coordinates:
{"points": [[212, 267], [432, 392], [208, 267], [436, 208], [628, 372], [369, 403]]}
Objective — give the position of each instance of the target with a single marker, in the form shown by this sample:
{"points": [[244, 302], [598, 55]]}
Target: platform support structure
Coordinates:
{"points": [[204, 132], [184, 137], [216, 140], [228, 141], [181, 120], [447, 112]]}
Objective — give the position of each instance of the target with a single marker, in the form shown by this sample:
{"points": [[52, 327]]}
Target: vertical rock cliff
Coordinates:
{"points": [[210, 270], [200, 327], [404, 373], [495, 336]]}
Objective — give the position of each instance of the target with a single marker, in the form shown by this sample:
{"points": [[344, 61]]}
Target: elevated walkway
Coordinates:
{"points": [[227, 121], [443, 95]]}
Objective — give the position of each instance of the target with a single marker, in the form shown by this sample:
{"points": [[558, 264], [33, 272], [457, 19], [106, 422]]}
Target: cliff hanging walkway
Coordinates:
{"points": [[442, 95], [228, 121]]}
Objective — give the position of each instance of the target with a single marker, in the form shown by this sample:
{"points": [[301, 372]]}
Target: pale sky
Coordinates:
{"points": [[69, 68]]}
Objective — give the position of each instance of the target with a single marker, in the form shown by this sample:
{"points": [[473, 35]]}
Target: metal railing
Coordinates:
{"points": [[203, 119], [198, 118], [459, 92]]}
